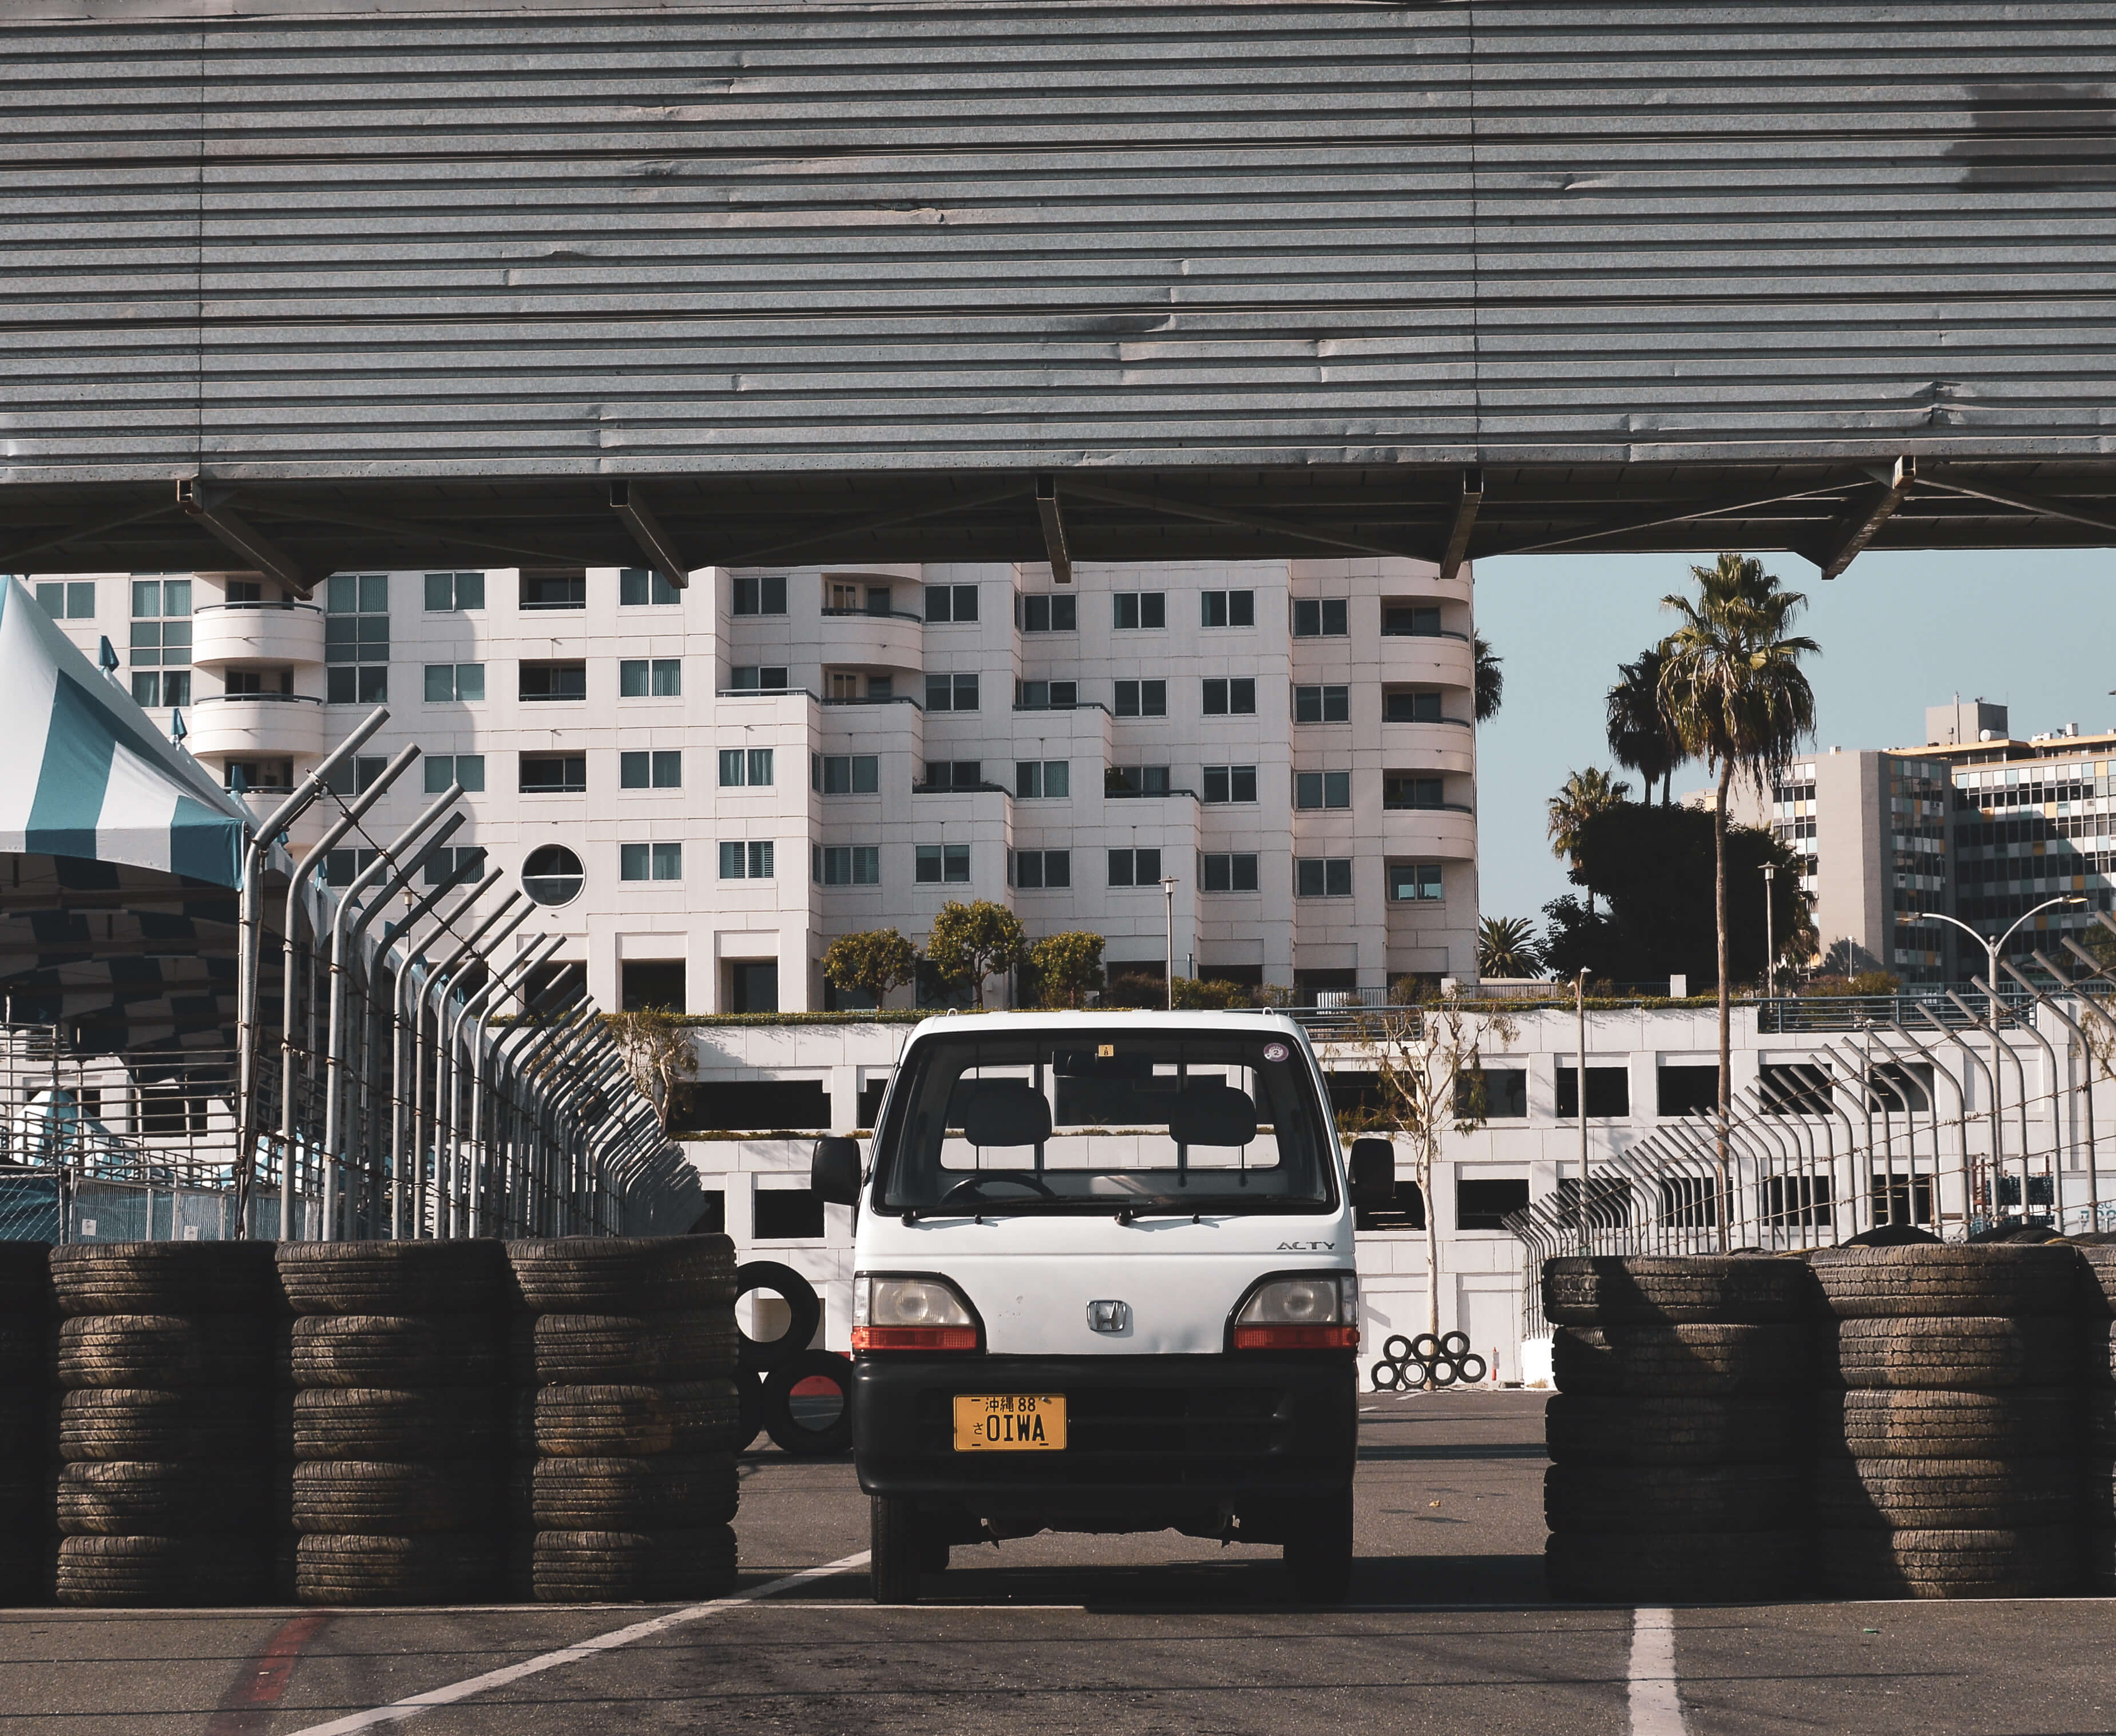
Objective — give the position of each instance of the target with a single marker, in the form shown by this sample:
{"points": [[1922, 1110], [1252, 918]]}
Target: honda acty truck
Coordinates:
{"points": [[1103, 1282]]}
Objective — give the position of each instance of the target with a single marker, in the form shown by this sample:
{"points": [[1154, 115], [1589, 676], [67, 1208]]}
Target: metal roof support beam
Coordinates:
{"points": [[1053, 530], [1851, 535], [1466, 521], [881, 522], [630, 507], [206, 505], [1240, 521], [11, 561], [418, 529], [2041, 505], [1655, 520]]}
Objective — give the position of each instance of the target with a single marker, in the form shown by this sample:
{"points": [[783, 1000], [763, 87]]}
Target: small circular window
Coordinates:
{"points": [[552, 875]]}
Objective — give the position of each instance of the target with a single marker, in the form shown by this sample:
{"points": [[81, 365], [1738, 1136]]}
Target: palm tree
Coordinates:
{"points": [[1733, 689], [1505, 947], [1491, 681], [1583, 794], [1640, 733]]}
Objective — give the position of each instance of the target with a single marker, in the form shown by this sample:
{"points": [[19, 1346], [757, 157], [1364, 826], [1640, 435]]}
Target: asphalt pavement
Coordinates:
{"points": [[1448, 1630]]}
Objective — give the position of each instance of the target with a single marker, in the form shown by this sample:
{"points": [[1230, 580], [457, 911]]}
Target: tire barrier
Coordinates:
{"points": [[1428, 1361], [804, 1310], [805, 1403]]}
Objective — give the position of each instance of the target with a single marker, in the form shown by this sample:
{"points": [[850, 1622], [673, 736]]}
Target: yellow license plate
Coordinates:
{"points": [[1010, 1423]]}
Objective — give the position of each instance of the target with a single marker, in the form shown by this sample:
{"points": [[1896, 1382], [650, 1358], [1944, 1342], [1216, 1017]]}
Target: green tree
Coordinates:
{"points": [[1583, 795], [1210, 994], [1733, 691], [657, 1052], [1640, 734], [971, 941], [1491, 680], [1066, 966], [1505, 947], [872, 963]]}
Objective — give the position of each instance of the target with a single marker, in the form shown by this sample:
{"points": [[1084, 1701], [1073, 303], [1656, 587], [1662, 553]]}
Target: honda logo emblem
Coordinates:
{"points": [[1110, 1316]]}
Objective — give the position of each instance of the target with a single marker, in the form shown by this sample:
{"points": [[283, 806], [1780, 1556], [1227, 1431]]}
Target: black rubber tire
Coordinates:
{"points": [[1386, 1377], [1319, 1559], [896, 1567], [1652, 1500], [672, 1492], [377, 1568], [168, 1498], [397, 1424], [1454, 1346], [792, 1433], [370, 1496], [596, 1349], [1973, 1354], [1880, 1423], [2008, 1278], [100, 1426], [148, 1572], [1692, 1567], [636, 1421], [1425, 1346], [197, 1278], [449, 1278], [804, 1306], [749, 1413], [25, 1421], [1945, 1494], [1862, 1563], [1417, 1377], [396, 1349], [1652, 1360], [2099, 1367], [571, 1566], [25, 1351], [1440, 1374], [613, 1274], [1473, 1361], [1704, 1289], [26, 1280], [2099, 1284], [1663, 1428], [164, 1350], [1396, 1348]]}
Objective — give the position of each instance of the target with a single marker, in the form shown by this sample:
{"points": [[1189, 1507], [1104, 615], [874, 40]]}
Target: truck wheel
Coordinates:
{"points": [[897, 1566], [1321, 1559]]}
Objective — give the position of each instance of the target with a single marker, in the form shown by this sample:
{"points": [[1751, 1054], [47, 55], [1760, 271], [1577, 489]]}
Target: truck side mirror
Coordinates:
{"points": [[834, 1170], [1374, 1172]]}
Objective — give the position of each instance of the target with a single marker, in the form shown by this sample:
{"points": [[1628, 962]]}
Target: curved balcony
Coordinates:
{"points": [[1430, 747], [1426, 660], [1449, 834], [225, 633], [856, 637], [263, 724]]}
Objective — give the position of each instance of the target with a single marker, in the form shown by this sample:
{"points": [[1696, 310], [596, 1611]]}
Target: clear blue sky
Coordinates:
{"points": [[2035, 631]]}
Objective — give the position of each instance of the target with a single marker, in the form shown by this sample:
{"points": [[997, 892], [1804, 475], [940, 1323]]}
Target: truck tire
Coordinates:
{"points": [[369, 1497], [371, 1569], [1320, 1558], [395, 1350], [163, 1350], [106, 1424], [803, 1304], [2099, 1258], [170, 1572], [1881, 1423], [459, 1277], [1668, 1429], [614, 1274], [1653, 1499], [397, 1424], [632, 1495], [658, 1565], [782, 1420], [2010, 1278], [1864, 1562], [1977, 1353], [131, 1498], [636, 1421], [897, 1566], [1600, 1290], [1913, 1494], [182, 1278], [590, 1349], [1702, 1359]]}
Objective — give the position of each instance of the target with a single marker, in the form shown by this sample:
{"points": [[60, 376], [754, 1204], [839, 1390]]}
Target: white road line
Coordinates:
{"points": [[1656, 1702], [433, 1698]]}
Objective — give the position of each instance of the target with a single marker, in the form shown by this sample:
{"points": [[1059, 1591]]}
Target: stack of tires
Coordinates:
{"points": [[2101, 1417], [629, 1419], [1674, 1434], [25, 1395], [170, 1482], [400, 1437], [1946, 1460]]}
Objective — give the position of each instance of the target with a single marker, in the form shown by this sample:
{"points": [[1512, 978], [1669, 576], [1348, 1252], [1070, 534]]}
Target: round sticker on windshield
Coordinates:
{"points": [[1274, 1052]]}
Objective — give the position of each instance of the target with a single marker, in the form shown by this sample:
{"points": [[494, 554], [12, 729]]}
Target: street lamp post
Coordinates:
{"points": [[1168, 890], [1770, 937], [1580, 1013]]}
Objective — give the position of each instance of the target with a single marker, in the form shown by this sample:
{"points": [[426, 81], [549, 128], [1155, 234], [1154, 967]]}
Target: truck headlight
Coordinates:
{"points": [[1301, 1311], [911, 1312]]}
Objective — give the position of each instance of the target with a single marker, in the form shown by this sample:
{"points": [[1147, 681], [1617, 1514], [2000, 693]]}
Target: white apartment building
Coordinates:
{"points": [[705, 786]]}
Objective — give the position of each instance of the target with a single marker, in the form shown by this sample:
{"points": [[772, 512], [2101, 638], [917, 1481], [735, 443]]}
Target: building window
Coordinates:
{"points": [[1408, 705], [1231, 784], [552, 875], [451, 593], [246, 775], [842, 598], [1046, 696], [1686, 1089], [1414, 880], [1323, 877], [1141, 609], [848, 864], [1135, 867], [449, 682], [553, 774], [740, 766], [1319, 617], [951, 693], [1321, 705], [745, 861], [1122, 781], [167, 687], [1234, 697], [642, 677], [1049, 780], [470, 859], [953, 774], [1235, 873], [847, 774], [951, 603], [1045, 613], [1486, 1204], [1040, 870], [938, 864], [554, 591], [1142, 699], [238, 681], [765, 594], [1322, 790], [751, 678], [356, 637], [1400, 790], [568, 681], [1227, 608], [638, 588], [445, 769], [661, 769], [650, 862], [342, 867], [1608, 1092], [356, 776], [74, 600], [1410, 620]]}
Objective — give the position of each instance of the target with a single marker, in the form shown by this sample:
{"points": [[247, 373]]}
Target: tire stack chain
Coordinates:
{"points": [[1674, 1435], [400, 1439], [168, 1490], [1946, 1459], [624, 1354]]}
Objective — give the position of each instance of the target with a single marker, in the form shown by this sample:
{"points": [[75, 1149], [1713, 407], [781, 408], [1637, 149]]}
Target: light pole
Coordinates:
{"points": [[1770, 937], [1580, 1014], [1168, 890]]}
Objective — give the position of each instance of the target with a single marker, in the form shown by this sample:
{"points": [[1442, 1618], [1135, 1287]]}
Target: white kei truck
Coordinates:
{"points": [[1103, 1282]]}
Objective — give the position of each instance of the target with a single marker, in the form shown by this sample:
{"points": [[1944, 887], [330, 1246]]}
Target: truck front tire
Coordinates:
{"points": [[1320, 1560], [898, 1564]]}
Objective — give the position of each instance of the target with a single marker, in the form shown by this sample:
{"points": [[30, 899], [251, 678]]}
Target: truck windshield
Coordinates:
{"points": [[1082, 1121]]}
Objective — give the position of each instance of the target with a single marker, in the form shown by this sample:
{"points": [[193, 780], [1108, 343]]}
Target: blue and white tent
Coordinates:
{"points": [[84, 772]]}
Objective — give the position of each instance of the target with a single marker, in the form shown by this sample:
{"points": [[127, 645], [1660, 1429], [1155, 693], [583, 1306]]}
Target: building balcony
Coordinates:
{"points": [[1427, 660], [1448, 834], [264, 726], [279, 634], [855, 639], [1445, 746]]}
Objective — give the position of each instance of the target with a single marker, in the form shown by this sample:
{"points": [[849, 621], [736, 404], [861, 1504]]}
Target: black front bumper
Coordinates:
{"points": [[1152, 1441]]}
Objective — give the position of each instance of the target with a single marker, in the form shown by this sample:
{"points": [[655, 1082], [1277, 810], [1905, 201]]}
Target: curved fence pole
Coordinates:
{"points": [[1940, 1070], [2021, 1076], [1990, 1085], [2057, 1128], [2087, 1059]]}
